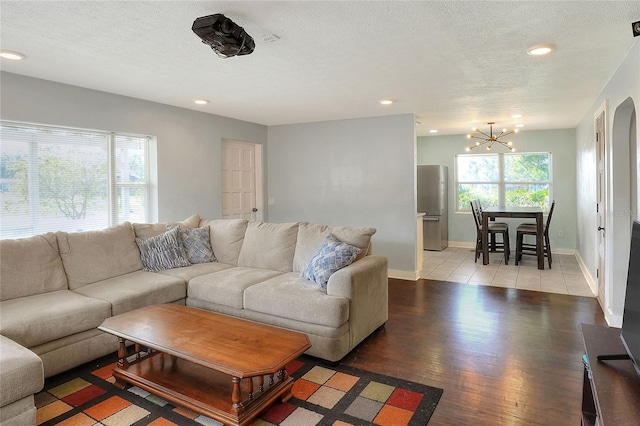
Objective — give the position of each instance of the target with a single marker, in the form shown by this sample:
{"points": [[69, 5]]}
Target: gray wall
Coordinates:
{"points": [[357, 172], [622, 89], [562, 145], [351, 172], [189, 177]]}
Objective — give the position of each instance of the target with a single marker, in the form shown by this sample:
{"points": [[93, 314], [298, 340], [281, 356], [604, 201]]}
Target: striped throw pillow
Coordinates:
{"points": [[164, 251]]}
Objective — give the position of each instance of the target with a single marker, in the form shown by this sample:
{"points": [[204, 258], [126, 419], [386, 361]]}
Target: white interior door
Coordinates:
{"points": [[601, 206], [239, 180]]}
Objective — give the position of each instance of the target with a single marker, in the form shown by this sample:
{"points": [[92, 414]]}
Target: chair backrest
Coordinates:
{"points": [[553, 204], [476, 214]]}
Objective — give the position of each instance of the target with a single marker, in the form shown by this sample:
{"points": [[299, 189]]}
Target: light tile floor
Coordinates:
{"points": [[457, 265]]}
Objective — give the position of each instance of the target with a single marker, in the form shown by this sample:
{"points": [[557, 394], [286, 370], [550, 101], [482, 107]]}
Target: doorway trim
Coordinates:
{"points": [[601, 217], [258, 175]]}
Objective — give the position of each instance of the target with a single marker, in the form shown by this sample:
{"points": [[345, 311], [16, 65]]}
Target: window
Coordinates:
{"points": [[522, 179], [60, 179]]}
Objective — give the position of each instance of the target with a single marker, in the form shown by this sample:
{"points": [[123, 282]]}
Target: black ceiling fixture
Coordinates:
{"points": [[225, 37], [636, 28]]}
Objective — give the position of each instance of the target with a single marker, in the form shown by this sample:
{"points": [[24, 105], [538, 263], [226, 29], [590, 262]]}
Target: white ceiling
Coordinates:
{"points": [[453, 63]]}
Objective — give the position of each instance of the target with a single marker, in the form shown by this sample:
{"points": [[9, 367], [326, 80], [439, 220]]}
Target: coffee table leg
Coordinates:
{"points": [[236, 396], [123, 363], [174, 363], [122, 353]]}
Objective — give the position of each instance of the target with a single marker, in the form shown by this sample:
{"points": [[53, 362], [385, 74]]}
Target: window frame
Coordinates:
{"points": [[501, 182], [114, 186]]}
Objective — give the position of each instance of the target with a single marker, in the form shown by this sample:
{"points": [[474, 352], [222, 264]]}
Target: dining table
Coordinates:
{"points": [[491, 213]]}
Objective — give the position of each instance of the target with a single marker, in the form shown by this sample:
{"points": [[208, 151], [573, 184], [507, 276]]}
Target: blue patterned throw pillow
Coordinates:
{"points": [[332, 256], [164, 251], [197, 244]]}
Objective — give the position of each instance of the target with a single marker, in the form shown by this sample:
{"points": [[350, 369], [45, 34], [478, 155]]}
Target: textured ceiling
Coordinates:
{"points": [[452, 63]]}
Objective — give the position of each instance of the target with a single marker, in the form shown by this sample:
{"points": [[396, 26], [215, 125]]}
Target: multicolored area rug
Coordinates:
{"points": [[322, 395]]}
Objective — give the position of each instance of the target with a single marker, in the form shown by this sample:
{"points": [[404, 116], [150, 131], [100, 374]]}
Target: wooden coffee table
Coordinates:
{"points": [[225, 368]]}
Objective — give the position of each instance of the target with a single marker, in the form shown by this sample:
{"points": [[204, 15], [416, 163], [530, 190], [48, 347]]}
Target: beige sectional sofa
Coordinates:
{"points": [[56, 288]]}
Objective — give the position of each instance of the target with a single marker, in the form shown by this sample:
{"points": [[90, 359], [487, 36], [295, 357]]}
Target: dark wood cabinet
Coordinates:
{"points": [[611, 392]]}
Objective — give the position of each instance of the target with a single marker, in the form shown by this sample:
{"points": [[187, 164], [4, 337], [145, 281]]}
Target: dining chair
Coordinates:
{"points": [[493, 229], [493, 222], [532, 229]]}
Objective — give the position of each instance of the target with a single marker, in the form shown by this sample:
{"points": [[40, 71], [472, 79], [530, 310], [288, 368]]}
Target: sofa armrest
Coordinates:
{"points": [[21, 372], [365, 283]]}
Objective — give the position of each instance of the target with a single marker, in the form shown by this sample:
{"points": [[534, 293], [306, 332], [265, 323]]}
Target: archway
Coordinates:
{"points": [[624, 200]]}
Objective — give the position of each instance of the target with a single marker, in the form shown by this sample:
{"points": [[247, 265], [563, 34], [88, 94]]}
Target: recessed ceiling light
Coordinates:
{"points": [[519, 125], [433, 131], [516, 116], [386, 101], [201, 101], [540, 50], [14, 56]]}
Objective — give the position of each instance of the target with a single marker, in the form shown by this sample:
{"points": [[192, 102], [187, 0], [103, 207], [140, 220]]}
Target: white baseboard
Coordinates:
{"points": [[462, 244], [593, 284], [613, 320], [403, 275], [471, 246]]}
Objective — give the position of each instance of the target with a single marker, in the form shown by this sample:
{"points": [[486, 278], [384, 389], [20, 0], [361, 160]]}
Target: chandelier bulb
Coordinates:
{"points": [[488, 139]]}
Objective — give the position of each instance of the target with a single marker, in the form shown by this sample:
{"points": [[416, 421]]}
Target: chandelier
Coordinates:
{"points": [[490, 139]]}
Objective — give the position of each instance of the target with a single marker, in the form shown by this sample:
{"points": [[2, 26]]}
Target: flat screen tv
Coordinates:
{"points": [[630, 333]]}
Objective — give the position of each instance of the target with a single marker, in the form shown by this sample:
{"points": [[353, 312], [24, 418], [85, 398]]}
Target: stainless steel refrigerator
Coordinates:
{"points": [[433, 201]]}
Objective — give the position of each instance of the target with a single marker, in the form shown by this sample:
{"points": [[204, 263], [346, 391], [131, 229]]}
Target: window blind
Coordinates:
{"points": [[54, 178]]}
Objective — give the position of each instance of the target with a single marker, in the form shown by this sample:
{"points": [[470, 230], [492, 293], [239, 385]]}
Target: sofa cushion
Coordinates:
{"points": [[192, 221], [186, 273], [269, 246], [227, 287], [97, 255], [226, 237], [34, 320], [197, 244], [135, 290], [30, 266], [148, 230], [164, 251], [21, 372], [311, 236], [291, 296], [332, 256]]}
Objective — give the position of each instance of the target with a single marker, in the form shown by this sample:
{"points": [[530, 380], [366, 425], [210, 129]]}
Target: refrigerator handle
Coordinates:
{"points": [[432, 219]]}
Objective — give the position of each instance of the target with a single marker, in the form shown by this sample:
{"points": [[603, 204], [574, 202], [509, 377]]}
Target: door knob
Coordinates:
{"points": [[600, 228], [254, 210]]}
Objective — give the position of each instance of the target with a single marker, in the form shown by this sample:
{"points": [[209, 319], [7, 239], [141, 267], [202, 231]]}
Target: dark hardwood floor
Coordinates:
{"points": [[503, 356]]}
